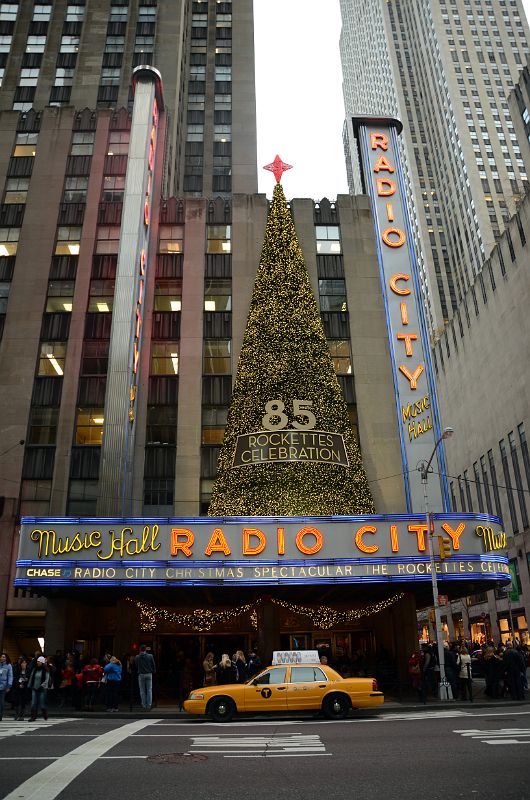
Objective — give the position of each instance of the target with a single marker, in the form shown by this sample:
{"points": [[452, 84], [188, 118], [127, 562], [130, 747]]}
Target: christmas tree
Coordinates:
{"points": [[287, 389]]}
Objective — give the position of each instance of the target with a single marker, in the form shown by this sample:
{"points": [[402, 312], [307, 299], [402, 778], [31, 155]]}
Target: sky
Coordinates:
{"points": [[300, 109]]}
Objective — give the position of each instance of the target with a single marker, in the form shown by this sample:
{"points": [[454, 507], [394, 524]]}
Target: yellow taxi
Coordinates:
{"points": [[296, 681]]}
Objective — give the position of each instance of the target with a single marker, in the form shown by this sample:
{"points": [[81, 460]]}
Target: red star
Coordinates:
{"points": [[278, 167]]}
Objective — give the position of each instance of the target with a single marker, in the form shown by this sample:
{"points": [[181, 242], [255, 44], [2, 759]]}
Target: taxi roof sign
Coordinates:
{"points": [[295, 657]]}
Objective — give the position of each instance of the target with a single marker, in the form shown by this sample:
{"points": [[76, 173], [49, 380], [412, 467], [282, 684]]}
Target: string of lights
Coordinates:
{"points": [[203, 619]]}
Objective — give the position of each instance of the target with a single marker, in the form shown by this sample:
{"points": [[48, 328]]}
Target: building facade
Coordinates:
{"points": [[448, 68], [484, 387]]}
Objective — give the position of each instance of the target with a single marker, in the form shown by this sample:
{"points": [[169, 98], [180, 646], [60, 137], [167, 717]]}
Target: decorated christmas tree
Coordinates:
{"points": [[288, 448]]}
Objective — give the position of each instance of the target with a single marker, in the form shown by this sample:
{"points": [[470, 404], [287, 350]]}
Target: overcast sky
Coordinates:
{"points": [[300, 108]]}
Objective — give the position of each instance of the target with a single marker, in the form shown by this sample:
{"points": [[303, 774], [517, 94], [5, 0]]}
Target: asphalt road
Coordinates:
{"points": [[434, 754]]}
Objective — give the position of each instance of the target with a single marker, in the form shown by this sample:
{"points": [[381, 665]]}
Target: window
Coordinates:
{"points": [[8, 11], [114, 44], [110, 76], [332, 295], [64, 77], [119, 13], [218, 240], [113, 188], [218, 294], [272, 676], [89, 426], [164, 358], [213, 425], [43, 425], [60, 296], [5, 44], [4, 296], [142, 43], [16, 190], [101, 296], [307, 674], [68, 241], [82, 144], [108, 240], [328, 239], [146, 13], [51, 358], [195, 133], [82, 498], [69, 44], [171, 239], [9, 241], [42, 13], [168, 295], [118, 143], [25, 145], [222, 133], [217, 359], [75, 13], [75, 190], [95, 360], [28, 77], [161, 425], [35, 44], [340, 355]]}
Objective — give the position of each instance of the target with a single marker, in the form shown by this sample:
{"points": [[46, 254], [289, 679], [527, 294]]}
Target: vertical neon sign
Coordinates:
{"points": [[142, 263]]}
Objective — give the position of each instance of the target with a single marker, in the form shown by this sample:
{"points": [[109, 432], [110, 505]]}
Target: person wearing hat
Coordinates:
{"points": [[39, 683]]}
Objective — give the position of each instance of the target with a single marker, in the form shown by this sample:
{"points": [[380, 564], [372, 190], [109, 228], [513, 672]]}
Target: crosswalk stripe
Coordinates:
{"points": [[497, 737]]}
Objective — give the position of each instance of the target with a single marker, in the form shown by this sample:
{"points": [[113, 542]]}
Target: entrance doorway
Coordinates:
{"points": [[179, 659]]}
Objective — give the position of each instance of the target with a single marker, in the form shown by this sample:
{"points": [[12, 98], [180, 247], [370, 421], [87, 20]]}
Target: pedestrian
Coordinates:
{"points": [[92, 674], [112, 672], [145, 668], [66, 688], [414, 668], [40, 680], [253, 664], [6, 680], [225, 671], [428, 667], [240, 663], [491, 665], [20, 687], [515, 667], [464, 675], [451, 667], [209, 670]]}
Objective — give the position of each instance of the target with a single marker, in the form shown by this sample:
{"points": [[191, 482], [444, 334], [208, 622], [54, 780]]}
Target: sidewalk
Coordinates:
{"points": [[391, 706]]}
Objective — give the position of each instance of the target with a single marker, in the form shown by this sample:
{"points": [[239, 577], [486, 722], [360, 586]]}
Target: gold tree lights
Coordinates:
{"points": [[285, 368]]}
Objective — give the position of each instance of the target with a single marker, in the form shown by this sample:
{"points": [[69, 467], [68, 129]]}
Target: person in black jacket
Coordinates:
{"points": [[241, 666], [225, 671], [515, 667], [20, 687]]}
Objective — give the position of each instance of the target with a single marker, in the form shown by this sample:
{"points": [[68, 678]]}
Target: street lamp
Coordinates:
{"points": [[444, 688]]}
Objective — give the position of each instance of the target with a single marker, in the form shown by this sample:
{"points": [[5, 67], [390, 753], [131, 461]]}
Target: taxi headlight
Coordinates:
{"points": [[196, 696]]}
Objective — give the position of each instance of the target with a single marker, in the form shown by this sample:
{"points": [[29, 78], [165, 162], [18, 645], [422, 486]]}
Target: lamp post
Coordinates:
{"points": [[444, 688]]}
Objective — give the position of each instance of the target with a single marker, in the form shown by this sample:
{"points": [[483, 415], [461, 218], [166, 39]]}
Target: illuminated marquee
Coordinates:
{"points": [[242, 552]]}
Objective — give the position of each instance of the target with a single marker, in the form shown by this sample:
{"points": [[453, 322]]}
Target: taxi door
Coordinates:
{"points": [[267, 692], [306, 688]]}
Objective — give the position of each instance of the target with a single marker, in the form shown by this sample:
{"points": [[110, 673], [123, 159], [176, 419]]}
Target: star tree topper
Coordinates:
{"points": [[278, 167]]}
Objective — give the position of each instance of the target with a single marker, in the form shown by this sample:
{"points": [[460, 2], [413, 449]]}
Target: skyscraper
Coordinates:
{"points": [[82, 54], [446, 68]]}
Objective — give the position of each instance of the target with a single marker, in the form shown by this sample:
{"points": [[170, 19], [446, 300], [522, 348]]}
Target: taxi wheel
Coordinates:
{"points": [[336, 706], [221, 709]]}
